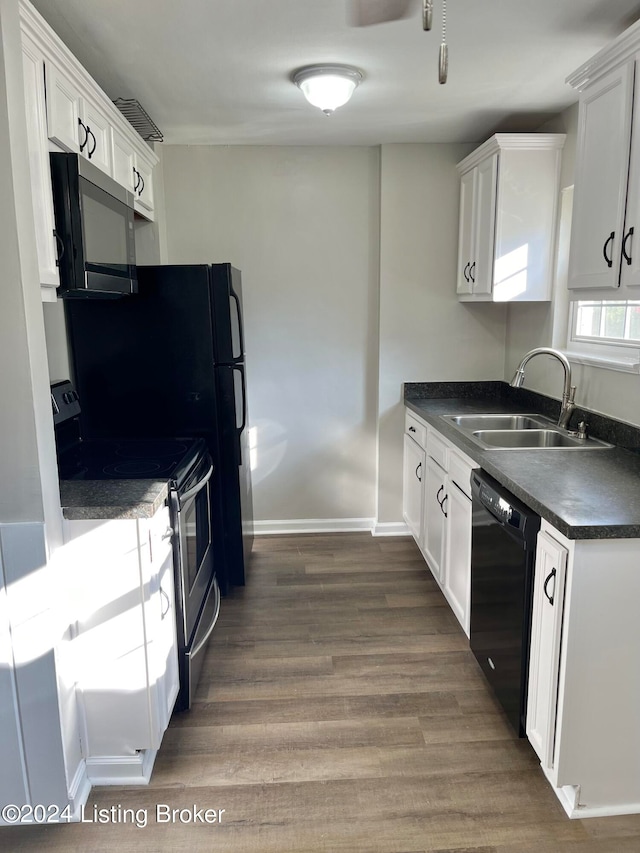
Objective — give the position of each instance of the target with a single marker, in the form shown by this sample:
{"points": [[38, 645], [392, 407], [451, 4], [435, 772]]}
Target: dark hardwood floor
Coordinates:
{"points": [[341, 711]]}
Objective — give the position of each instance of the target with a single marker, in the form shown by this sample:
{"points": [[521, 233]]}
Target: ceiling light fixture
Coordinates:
{"points": [[328, 86]]}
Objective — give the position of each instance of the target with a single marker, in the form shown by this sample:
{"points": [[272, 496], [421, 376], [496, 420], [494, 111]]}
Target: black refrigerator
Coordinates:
{"points": [[170, 361]]}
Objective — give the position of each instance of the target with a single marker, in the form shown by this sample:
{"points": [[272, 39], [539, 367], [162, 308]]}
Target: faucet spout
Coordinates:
{"points": [[568, 391]]}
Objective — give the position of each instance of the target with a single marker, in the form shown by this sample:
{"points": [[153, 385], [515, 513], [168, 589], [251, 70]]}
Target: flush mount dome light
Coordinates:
{"points": [[328, 86]]}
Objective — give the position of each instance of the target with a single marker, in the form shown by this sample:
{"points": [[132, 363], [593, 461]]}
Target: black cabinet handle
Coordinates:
{"points": [[60, 247], [412, 429], [138, 176], [86, 134], [442, 503], [92, 151], [627, 237], [551, 575], [417, 469], [471, 269], [168, 601], [141, 190], [465, 272], [604, 249], [441, 489]]}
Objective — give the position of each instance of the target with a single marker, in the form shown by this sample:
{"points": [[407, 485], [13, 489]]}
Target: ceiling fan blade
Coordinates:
{"points": [[365, 13]]}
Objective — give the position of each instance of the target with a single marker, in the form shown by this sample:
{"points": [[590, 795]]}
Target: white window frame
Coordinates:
{"points": [[612, 354]]}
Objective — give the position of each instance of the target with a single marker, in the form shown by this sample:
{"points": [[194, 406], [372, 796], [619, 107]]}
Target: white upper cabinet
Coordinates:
{"points": [[604, 260], [33, 70], [599, 232], [65, 109], [143, 187], [74, 122], [509, 190], [123, 158]]}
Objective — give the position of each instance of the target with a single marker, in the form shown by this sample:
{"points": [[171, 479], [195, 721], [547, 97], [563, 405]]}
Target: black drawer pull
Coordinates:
{"points": [[604, 249], [417, 469], [625, 254], [551, 575]]}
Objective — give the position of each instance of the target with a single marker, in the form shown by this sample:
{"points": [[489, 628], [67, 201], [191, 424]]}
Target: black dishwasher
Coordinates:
{"points": [[503, 542]]}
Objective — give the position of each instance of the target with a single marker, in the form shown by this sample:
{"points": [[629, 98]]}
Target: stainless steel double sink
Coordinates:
{"points": [[520, 432]]}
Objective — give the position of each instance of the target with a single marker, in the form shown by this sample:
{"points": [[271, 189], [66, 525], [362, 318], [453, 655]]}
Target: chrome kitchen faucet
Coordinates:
{"points": [[569, 390]]}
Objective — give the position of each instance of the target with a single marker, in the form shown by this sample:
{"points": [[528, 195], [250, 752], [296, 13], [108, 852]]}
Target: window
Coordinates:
{"points": [[607, 331], [612, 322]]}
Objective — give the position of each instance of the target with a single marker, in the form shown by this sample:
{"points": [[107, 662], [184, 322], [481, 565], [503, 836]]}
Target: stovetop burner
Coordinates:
{"points": [[98, 459]]}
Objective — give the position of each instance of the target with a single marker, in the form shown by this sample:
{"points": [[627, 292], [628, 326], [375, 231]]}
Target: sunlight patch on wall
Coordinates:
{"points": [[510, 274]]}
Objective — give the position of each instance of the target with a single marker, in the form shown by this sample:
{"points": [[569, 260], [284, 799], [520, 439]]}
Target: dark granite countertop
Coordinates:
{"points": [[585, 494], [102, 499]]}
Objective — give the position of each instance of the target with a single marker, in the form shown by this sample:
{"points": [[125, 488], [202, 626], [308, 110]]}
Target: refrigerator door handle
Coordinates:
{"points": [[236, 298], [240, 369]]}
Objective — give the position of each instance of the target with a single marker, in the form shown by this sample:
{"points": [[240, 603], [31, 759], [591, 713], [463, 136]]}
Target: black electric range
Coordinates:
{"points": [[185, 463]]}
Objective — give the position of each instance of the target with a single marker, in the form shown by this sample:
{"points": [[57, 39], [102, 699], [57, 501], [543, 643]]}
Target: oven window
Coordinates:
{"points": [[197, 534], [106, 228]]}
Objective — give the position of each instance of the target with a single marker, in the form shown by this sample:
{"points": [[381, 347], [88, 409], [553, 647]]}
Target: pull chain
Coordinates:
{"points": [[443, 59], [427, 14]]}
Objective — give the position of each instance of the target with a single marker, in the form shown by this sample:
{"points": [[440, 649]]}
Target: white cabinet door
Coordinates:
{"points": [[481, 271], [457, 580], [434, 517], [63, 111], [466, 247], [33, 69], [123, 159], [162, 651], [98, 148], [144, 188], [412, 487], [630, 272], [602, 160], [546, 631]]}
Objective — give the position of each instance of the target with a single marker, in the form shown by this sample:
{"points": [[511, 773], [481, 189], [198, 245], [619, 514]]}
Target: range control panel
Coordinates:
{"points": [[64, 401]]}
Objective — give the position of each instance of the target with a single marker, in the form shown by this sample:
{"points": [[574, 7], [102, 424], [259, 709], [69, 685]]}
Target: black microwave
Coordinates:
{"points": [[94, 230]]}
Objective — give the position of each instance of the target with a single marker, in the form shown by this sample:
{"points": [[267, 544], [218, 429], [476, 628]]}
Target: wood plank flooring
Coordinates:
{"points": [[341, 710]]}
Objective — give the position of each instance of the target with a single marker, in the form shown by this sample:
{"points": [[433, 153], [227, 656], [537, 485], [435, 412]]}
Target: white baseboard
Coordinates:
{"points": [[79, 790], [569, 796], [313, 525], [120, 769], [390, 528]]}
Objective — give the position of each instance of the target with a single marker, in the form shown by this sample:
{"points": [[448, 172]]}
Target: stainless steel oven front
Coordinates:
{"points": [[197, 592]]}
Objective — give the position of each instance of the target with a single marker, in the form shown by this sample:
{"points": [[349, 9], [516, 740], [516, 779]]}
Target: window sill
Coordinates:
{"points": [[623, 364]]}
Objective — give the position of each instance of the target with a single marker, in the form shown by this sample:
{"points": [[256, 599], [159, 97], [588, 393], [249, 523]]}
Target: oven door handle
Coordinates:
{"points": [[185, 496], [195, 651]]}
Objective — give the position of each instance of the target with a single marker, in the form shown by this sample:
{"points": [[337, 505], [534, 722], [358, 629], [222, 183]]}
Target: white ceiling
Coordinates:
{"points": [[218, 71]]}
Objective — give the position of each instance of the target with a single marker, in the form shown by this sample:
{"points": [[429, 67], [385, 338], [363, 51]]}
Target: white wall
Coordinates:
{"points": [[426, 335], [302, 225], [37, 733], [610, 392]]}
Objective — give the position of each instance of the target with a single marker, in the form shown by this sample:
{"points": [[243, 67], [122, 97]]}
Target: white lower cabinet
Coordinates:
{"points": [[412, 486], [546, 632], [125, 648], [457, 582], [444, 499], [435, 499], [584, 682]]}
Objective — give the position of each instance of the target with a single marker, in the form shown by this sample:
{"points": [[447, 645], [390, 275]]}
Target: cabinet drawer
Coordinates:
{"points": [[460, 472], [416, 429], [437, 449]]}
